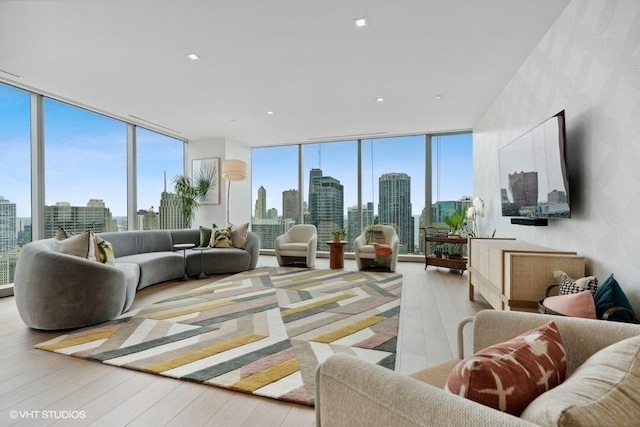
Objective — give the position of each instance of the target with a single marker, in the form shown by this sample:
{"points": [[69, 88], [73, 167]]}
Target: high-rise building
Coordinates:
{"points": [[440, 210], [267, 230], [8, 262], [95, 217], [352, 222], [290, 205], [272, 213], [326, 206], [261, 204], [170, 213], [147, 219], [394, 207], [8, 234], [313, 174]]}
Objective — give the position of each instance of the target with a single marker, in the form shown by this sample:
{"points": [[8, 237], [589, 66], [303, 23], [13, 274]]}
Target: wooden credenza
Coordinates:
{"points": [[514, 275]]}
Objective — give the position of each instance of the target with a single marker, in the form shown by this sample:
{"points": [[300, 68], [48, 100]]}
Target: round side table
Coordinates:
{"points": [[202, 249], [336, 254], [184, 247]]}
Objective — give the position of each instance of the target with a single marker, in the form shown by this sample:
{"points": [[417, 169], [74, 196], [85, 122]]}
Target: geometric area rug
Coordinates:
{"points": [[262, 332]]}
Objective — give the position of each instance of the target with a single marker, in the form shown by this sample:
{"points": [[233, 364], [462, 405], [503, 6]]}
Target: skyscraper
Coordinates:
{"points": [[94, 217], [352, 222], [326, 206], [394, 207], [8, 232], [290, 205], [170, 212], [147, 219], [261, 204], [313, 174]]}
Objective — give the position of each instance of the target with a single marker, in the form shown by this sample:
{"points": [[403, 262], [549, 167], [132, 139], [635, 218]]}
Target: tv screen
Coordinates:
{"points": [[533, 173]]}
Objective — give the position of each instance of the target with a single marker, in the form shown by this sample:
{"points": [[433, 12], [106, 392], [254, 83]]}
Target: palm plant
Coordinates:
{"points": [[190, 192]]}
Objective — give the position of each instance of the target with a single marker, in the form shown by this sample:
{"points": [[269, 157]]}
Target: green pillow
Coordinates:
{"points": [[205, 236], [608, 295]]}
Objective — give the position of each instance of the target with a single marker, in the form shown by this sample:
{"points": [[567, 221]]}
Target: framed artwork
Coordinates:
{"points": [[207, 171]]}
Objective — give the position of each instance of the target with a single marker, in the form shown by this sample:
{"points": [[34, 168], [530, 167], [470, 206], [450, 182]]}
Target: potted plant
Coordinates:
{"points": [[339, 235], [455, 221], [189, 193]]}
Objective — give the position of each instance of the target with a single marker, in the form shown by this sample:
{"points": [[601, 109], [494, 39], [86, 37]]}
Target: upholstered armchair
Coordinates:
{"points": [[366, 253], [298, 245], [600, 387]]}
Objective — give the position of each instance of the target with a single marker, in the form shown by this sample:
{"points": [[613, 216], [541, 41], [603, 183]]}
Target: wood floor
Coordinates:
{"points": [[43, 387]]}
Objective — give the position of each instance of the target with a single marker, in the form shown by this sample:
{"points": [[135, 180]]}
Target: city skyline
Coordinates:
{"points": [[452, 163]]}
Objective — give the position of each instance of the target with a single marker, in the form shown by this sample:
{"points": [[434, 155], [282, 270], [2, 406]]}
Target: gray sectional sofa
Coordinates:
{"points": [[59, 291]]}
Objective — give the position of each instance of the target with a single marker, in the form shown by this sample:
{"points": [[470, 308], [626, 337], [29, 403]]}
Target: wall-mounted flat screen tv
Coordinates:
{"points": [[533, 173]]}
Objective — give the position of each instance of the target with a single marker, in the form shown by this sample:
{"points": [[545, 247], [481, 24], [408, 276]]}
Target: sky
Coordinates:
{"points": [[85, 158]]}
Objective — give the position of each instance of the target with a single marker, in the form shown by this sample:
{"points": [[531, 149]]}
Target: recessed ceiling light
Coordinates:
{"points": [[438, 96], [193, 56], [380, 99], [361, 22], [270, 113]]}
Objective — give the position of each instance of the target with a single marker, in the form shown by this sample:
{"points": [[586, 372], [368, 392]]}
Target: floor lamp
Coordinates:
{"points": [[233, 170]]}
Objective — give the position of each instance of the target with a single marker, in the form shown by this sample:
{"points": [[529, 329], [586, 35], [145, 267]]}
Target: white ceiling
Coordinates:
{"points": [[302, 59]]}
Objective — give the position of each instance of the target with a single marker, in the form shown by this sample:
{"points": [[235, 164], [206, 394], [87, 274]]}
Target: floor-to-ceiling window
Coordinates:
{"points": [[274, 189], [85, 170], [451, 180], [395, 175], [331, 187], [85, 173], [451, 175], [15, 178], [393, 180], [160, 159]]}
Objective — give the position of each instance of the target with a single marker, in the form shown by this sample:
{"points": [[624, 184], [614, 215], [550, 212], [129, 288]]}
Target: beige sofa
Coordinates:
{"points": [[351, 392]]}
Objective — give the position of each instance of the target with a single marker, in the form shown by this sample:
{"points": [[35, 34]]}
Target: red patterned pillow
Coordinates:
{"points": [[508, 376]]}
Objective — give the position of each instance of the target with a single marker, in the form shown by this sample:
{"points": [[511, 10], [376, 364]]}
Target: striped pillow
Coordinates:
{"points": [[375, 234]]}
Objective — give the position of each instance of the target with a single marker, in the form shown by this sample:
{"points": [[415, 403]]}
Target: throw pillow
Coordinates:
{"points": [[62, 234], [604, 390], [221, 238], [239, 235], [80, 245], [205, 235], [569, 286], [608, 295], [574, 305], [375, 234], [104, 251], [508, 376]]}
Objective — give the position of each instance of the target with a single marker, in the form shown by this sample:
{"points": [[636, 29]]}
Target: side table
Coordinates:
{"points": [[336, 254], [184, 247], [202, 249]]}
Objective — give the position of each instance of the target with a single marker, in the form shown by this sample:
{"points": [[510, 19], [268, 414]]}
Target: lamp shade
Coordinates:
{"points": [[234, 170]]}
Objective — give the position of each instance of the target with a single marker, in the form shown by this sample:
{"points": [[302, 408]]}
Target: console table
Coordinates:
{"points": [[514, 275]]}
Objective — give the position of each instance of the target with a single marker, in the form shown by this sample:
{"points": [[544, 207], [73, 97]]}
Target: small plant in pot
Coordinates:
{"points": [[339, 235]]}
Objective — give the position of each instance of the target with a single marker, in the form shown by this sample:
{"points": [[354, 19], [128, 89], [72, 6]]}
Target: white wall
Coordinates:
{"points": [[589, 65], [240, 205]]}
